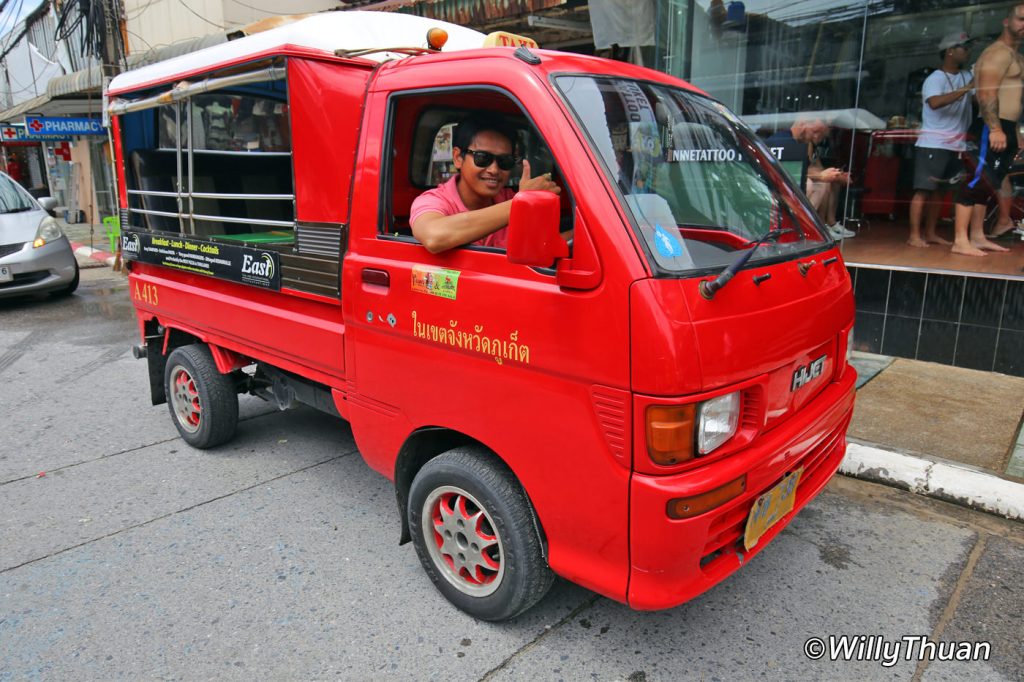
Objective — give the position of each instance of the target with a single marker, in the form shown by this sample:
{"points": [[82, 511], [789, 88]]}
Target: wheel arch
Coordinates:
{"points": [[160, 341], [425, 444]]}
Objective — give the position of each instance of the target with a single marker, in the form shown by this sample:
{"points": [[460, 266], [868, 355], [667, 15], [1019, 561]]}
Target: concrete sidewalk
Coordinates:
{"points": [[946, 432], [90, 244]]}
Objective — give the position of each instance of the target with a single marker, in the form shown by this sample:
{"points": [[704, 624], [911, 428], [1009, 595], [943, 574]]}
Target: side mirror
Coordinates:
{"points": [[49, 205], [533, 237]]}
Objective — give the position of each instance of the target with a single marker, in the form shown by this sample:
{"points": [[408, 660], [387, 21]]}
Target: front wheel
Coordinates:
{"points": [[476, 535], [202, 401]]}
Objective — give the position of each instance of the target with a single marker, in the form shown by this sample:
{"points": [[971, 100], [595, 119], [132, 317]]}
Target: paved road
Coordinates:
{"points": [[135, 556]]}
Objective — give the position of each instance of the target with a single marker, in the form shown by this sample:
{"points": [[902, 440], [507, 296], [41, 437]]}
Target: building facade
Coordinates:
{"points": [[48, 76], [858, 66]]}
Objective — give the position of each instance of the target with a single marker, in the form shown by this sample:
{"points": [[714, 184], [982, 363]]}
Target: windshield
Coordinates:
{"points": [[12, 198], [698, 184]]}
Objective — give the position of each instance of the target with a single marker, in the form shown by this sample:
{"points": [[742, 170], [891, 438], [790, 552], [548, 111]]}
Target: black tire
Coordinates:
{"points": [[202, 401], [509, 574]]}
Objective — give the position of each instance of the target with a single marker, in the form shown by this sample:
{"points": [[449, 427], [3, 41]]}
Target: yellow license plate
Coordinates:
{"points": [[770, 507]]}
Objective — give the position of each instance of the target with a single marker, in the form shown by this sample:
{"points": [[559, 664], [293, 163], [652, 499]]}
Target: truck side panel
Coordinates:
{"points": [[297, 334]]}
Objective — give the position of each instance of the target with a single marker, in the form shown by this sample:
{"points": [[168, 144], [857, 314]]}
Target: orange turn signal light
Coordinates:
{"points": [[688, 507], [670, 433], [436, 38]]}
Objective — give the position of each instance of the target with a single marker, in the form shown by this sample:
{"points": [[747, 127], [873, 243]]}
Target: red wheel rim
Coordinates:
{"points": [[463, 541]]}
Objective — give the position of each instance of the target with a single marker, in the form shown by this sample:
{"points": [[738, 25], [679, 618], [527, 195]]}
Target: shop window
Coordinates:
{"points": [[859, 68]]}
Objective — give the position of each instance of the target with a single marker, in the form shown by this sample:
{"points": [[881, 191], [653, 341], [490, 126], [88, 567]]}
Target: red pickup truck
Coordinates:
{"points": [[639, 409]]}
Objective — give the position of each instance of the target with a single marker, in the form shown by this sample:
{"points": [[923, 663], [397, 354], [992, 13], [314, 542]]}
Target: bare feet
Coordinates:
{"points": [[967, 250], [919, 243], [986, 245], [936, 239]]}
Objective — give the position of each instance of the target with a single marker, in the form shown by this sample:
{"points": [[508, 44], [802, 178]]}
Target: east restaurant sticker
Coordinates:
{"points": [[435, 281]]}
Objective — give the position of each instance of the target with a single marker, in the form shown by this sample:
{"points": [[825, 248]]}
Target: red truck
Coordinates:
{"points": [[639, 409]]}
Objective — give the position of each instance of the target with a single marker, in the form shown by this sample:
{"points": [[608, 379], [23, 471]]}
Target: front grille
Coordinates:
{"points": [[8, 249], [23, 278]]}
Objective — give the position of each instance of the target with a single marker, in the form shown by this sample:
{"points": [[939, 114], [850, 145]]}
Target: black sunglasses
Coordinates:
{"points": [[485, 159]]}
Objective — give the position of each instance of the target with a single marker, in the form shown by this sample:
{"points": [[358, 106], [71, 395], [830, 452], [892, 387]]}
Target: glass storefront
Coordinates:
{"points": [[852, 73], [857, 67]]}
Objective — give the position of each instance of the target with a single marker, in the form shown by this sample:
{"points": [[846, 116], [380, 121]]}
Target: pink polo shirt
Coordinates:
{"points": [[445, 199]]}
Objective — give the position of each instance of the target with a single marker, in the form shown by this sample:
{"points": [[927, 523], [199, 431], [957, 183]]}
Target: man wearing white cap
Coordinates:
{"points": [[945, 115]]}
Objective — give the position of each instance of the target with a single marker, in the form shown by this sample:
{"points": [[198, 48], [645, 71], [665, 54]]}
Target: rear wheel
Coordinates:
{"points": [[476, 535], [202, 401]]}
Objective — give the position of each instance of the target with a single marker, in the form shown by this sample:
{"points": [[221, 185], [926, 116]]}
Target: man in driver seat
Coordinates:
{"points": [[473, 206]]}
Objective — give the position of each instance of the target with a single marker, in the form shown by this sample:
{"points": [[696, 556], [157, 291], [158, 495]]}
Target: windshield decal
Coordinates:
{"points": [[667, 245]]}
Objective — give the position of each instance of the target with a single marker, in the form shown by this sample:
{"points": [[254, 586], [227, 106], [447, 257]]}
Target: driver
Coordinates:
{"points": [[473, 205]]}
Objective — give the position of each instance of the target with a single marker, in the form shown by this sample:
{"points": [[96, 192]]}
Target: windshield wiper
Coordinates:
{"points": [[18, 209], [708, 288]]}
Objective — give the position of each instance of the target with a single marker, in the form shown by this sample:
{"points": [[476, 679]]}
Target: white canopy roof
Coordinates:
{"points": [[328, 31]]}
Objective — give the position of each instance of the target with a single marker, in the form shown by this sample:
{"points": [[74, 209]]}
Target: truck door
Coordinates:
{"points": [[468, 341]]}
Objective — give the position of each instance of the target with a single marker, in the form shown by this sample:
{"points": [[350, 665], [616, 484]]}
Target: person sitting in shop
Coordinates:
{"points": [[822, 180]]}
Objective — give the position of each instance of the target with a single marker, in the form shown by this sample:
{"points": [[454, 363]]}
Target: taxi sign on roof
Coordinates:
{"points": [[504, 39]]}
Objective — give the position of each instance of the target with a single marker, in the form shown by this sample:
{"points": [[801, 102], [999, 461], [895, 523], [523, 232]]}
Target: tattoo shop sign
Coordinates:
{"points": [[241, 264]]}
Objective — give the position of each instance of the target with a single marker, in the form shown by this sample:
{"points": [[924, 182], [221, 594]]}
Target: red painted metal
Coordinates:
{"points": [[550, 371], [122, 187]]}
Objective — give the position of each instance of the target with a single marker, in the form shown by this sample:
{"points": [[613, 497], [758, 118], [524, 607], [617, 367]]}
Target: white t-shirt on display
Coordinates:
{"points": [[944, 128]]}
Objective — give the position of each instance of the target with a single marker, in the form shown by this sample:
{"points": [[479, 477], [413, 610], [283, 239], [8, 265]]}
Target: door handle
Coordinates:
{"points": [[376, 277]]}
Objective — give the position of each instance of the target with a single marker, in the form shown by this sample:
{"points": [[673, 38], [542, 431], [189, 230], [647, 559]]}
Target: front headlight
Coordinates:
{"points": [[48, 231], [717, 422]]}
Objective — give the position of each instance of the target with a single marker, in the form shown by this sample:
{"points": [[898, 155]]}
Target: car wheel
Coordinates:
{"points": [[476, 535], [202, 401]]}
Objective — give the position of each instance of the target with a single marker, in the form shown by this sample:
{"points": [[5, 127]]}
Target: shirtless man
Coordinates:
{"points": [[992, 138]]}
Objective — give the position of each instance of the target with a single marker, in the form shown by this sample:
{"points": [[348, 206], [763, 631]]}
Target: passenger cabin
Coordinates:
{"points": [[253, 142]]}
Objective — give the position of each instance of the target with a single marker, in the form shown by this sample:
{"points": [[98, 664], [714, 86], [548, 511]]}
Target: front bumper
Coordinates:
{"points": [[51, 266], [673, 561]]}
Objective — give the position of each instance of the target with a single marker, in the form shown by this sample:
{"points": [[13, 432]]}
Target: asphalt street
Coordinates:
{"points": [[125, 554]]}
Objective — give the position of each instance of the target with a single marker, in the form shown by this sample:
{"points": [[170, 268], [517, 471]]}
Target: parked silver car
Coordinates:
{"points": [[35, 256]]}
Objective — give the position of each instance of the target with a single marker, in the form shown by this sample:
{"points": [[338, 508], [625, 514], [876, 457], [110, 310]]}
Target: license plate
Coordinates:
{"points": [[5, 274], [770, 507]]}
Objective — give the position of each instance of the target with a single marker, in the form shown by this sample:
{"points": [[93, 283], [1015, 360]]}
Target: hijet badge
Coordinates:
{"points": [[803, 375]]}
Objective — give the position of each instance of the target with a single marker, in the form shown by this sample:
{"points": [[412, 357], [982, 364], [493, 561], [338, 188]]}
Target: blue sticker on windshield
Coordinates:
{"points": [[667, 245]]}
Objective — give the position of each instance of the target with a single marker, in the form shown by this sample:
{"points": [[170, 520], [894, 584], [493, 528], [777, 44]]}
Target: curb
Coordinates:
{"points": [[943, 480], [104, 257]]}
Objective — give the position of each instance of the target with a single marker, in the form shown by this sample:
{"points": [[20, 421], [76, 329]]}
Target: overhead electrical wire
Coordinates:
{"points": [[92, 19], [182, 3]]}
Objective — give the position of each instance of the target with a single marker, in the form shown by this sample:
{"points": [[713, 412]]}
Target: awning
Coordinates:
{"points": [[856, 119], [471, 13], [85, 80], [26, 107], [81, 92]]}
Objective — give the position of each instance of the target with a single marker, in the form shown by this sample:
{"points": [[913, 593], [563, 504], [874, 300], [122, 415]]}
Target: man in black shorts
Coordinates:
{"points": [[992, 140], [945, 116]]}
